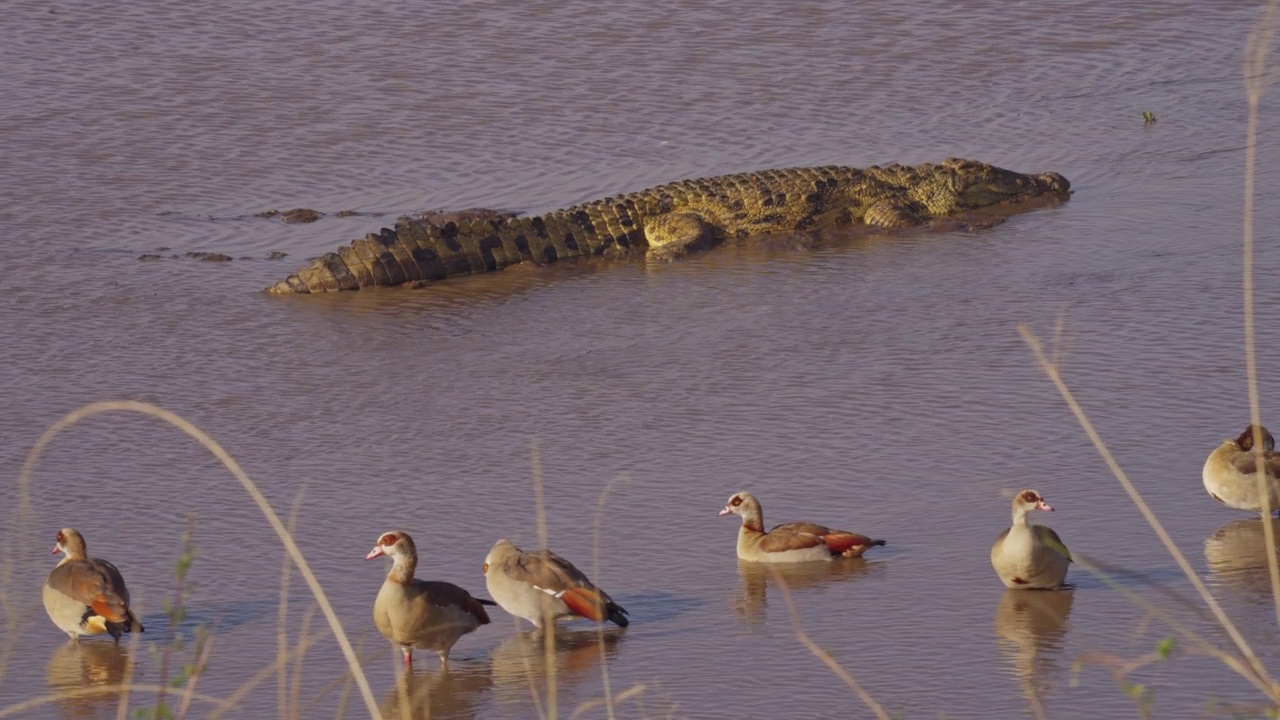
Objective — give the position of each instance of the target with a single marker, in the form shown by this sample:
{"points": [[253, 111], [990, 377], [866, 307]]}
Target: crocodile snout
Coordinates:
{"points": [[1053, 182]]}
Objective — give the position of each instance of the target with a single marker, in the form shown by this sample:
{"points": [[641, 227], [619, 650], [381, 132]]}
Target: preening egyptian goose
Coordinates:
{"points": [[1027, 556], [421, 614], [1231, 472], [84, 595], [790, 542], [539, 585]]}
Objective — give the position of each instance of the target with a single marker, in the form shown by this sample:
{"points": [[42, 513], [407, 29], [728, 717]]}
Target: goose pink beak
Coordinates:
{"points": [[726, 511], [1042, 505], [56, 550], [376, 552]]}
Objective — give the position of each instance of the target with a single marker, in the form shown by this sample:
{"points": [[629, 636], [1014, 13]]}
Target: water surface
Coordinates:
{"points": [[873, 383]]}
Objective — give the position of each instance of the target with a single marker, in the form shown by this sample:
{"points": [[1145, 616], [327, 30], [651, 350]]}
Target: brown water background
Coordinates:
{"points": [[877, 384]]}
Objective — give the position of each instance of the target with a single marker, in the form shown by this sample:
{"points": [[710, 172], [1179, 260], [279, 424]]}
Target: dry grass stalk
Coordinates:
{"points": [[277, 668], [188, 694], [176, 610], [1256, 77], [295, 703], [821, 654], [342, 682], [402, 690], [122, 707], [610, 708], [73, 693], [282, 617], [24, 483], [1254, 669], [1198, 644], [548, 623], [589, 705]]}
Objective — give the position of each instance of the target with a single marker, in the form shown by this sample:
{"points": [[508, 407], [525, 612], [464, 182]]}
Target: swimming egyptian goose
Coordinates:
{"points": [[1027, 556], [84, 595], [538, 585], [790, 542], [421, 614], [1231, 472]]}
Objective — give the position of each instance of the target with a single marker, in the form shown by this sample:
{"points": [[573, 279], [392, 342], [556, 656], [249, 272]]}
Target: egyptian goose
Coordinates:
{"points": [[84, 595], [1027, 556], [1231, 472], [790, 542], [539, 585], [421, 614]]}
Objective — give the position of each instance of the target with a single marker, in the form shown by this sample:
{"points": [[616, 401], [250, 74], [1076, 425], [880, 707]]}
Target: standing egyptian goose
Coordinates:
{"points": [[539, 585], [1231, 472], [421, 614], [1027, 556], [84, 595], [790, 542]]}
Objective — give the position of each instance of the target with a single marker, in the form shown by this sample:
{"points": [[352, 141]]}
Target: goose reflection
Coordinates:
{"points": [[1237, 556], [520, 662], [1030, 628], [454, 693], [757, 577], [86, 664]]}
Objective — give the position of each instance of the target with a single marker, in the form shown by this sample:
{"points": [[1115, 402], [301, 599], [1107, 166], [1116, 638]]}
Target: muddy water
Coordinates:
{"points": [[877, 384]]}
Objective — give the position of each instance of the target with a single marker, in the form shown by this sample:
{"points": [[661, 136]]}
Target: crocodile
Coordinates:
{"points": [[672, 220]]}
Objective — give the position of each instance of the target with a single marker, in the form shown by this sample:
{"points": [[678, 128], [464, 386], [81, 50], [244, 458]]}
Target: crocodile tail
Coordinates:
{"points": [[414, 251], [418, 251]]}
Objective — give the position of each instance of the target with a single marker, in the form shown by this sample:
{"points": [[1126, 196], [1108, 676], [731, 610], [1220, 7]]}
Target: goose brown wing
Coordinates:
{"points": [[558, 577], [1050, 538], [789, 537], [95, 583], [804, 527], [1247, 462], [546, 570], [446, 595]]}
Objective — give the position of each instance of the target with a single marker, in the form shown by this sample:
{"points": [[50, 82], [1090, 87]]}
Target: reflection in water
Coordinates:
{"points": [[756, 578], [88, 664], [1237, 556], [459, 296], [1030, 626], [455, 692], [520, 665]]}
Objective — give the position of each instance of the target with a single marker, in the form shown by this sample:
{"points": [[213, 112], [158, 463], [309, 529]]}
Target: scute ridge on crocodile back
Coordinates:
{"points": [[671, 220]]}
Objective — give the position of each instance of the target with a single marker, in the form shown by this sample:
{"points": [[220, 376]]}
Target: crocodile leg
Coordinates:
{"points": [[887, 214], [676, 234]]}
